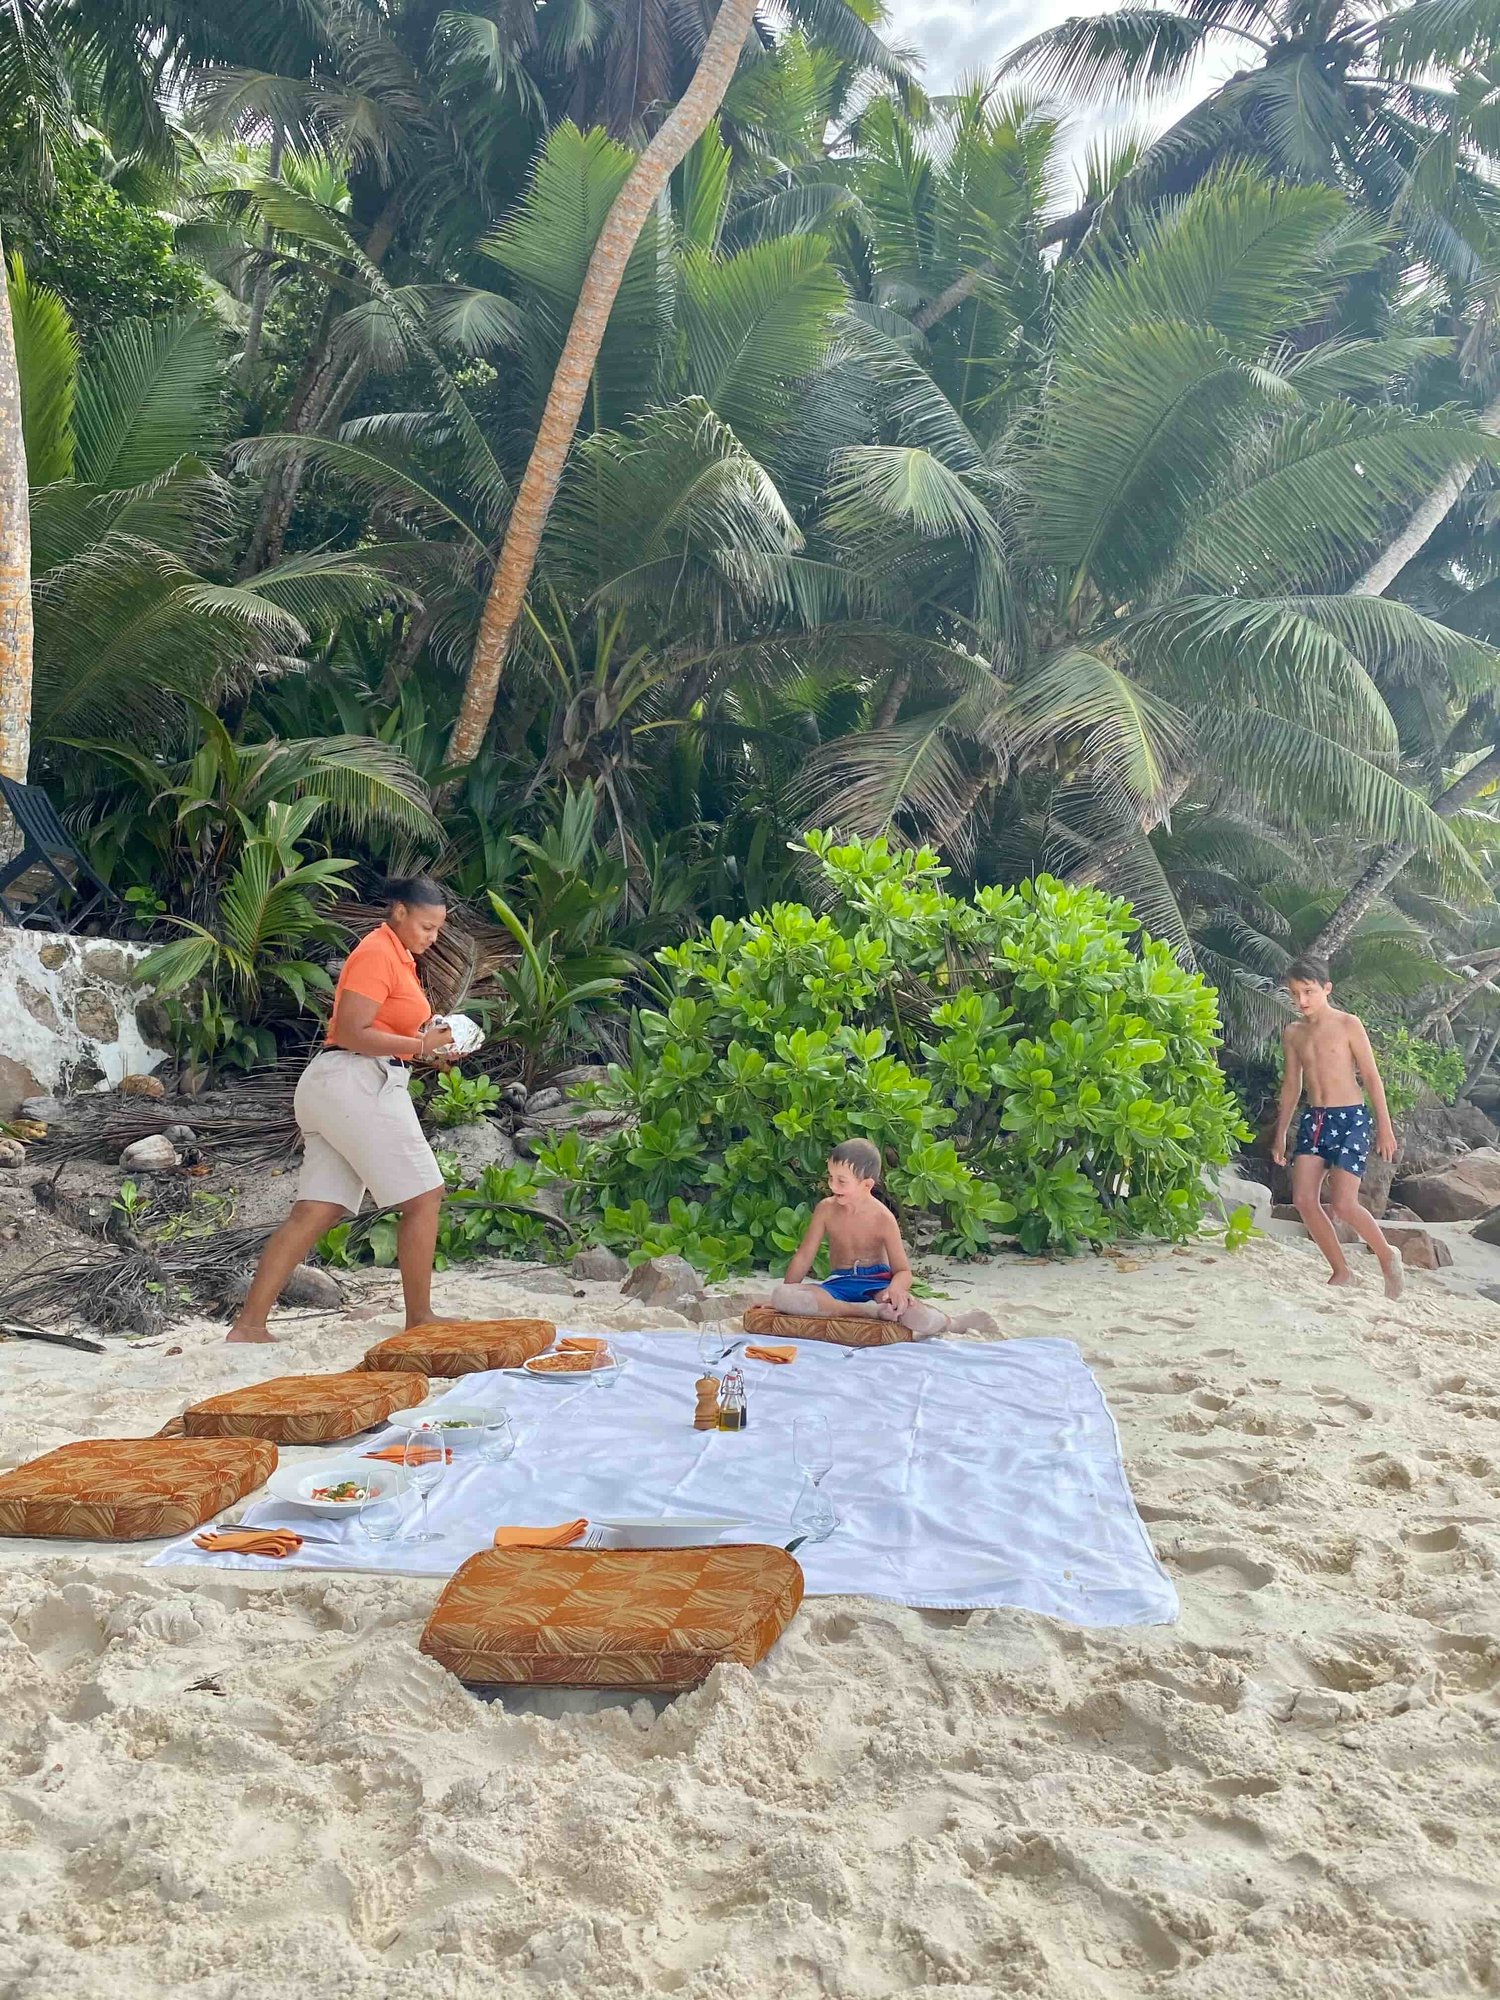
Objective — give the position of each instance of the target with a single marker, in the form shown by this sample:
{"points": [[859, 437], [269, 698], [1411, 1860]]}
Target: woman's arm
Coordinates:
{"points": [[807, 1249], [350, 1029]]}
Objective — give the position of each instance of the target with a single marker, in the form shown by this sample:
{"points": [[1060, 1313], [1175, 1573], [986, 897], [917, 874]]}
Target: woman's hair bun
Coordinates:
{"points": [[418, 892]]}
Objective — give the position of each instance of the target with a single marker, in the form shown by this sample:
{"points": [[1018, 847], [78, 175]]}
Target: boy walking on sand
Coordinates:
{"points": [[1331, 1051], [871, 1276]]}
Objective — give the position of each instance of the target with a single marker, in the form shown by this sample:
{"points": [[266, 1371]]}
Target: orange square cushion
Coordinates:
{"points": [[655, 1619], [846, 1332], [305, 1409], [131, 1489], [463, 1346]]}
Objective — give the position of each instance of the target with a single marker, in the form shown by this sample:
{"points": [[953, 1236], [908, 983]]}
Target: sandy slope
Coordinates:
{"points": [[240, 1789]]}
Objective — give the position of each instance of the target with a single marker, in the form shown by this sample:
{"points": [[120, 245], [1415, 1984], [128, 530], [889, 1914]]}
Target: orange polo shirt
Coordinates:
{"points": [[380, 968]]}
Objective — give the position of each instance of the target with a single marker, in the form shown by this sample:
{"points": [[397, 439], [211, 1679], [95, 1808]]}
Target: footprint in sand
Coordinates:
{"points": [[1337, 1399], [1224, 1569]]}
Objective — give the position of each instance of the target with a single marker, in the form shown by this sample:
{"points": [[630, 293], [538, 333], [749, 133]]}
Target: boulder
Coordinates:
{"points": [[1490, 1292], [17, 1084], [663, 1281], [1375, 1188], [307, 1286], [477, 1146], [1434, 1134], [1419, 1247], [603, 1267], [141, 1086], [153, 1155], [1284, 1212], [543, 1100], [1449, 1196], [1488, 1229], [1235, 1191], [570, 1079], [45, 1110]]}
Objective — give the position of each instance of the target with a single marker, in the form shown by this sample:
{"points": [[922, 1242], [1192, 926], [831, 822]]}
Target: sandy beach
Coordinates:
{"points": [[233, 1787]]}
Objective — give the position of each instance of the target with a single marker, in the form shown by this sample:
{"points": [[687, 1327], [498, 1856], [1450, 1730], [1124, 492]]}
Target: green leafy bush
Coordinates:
{"points": [[1409, 1067], [457, 1099], [469, 1226], [1026, 1061]]}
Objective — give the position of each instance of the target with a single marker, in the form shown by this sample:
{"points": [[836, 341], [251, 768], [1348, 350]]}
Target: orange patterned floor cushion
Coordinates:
{"points": [[849, 1332], [305, 1409], [463, 1346], [131, 1489], [653, 1619]]}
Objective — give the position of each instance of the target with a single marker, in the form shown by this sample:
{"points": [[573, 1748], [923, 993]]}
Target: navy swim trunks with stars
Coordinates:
{"points": [[1338, 1134]]}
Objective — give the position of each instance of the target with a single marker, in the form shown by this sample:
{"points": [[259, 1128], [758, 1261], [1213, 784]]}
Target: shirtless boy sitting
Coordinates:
{"points": [[1331, 1050], [871, 1277]]}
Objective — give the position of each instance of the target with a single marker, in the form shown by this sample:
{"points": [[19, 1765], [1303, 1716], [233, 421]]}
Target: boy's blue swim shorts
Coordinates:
{"points": [[858, 1285]]}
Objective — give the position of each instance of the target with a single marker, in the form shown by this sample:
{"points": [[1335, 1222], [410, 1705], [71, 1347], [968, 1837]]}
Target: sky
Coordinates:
{"points": [[959, 38]]}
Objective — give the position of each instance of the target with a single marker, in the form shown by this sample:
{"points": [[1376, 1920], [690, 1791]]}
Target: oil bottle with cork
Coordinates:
{"points": [[734, 1410]]}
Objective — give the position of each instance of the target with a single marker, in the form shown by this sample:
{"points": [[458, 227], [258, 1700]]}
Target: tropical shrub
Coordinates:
{"points": [[457, 1099], [1025, 1059], [497, 1216]]}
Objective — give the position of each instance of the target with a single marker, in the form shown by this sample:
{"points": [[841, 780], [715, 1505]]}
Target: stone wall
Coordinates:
{"points": [[70, 1015]]}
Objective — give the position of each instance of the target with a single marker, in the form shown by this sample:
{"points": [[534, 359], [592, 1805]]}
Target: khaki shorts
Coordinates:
{"points": [[360, 1130]]}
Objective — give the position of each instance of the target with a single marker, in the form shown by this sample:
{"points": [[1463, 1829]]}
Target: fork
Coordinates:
{"points": [[594, 1538]]}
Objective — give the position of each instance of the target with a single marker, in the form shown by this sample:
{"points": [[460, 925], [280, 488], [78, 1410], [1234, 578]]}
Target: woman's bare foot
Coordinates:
{"points": [[976, 1322], [1344, 1277], [258, 1334], [1395, 1276]]}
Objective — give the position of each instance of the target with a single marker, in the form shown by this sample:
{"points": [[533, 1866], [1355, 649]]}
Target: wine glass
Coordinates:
{"points": [[606, 1368], [711, 1344], [424, 1459], [381, 1514], [812, 1448], [498, 1439]]}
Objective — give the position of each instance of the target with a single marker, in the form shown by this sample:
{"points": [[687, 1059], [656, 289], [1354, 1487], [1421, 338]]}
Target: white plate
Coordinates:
{"points": [[574, 1375], [428, 1417], [295, 1482], [673, 1534]]}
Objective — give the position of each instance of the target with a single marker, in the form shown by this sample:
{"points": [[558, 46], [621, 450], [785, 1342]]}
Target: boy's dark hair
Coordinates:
{"points": [[1308, 967], [860, 1156]]}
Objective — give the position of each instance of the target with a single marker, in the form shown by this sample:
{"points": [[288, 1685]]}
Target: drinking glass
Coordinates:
{"points": [[424, 1459], [606, 1368], [812, 1448], [498, 1439], [381, 1515], [711, 1345], [813, 1516]]}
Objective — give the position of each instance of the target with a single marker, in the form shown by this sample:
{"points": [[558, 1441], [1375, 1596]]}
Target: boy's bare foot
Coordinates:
{"points": [[1344, 1277], [258, 1334], [1395, 1276]]}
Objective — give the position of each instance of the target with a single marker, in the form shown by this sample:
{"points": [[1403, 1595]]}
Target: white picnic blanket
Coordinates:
{"points": [[964, 1475]]}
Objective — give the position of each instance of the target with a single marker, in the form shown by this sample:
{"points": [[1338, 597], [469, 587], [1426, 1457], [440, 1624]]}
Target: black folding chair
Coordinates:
{"points": [[60, 901]]}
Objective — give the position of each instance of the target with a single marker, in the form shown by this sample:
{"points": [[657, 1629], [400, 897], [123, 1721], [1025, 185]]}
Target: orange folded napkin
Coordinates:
{"points": [[249, 1542], [580, 1343], [560, 1537], [396, 1454], [770, 1354]]}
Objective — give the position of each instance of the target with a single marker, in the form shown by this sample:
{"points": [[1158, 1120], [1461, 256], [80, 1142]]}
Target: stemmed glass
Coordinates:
{"points": [[424, 1458], [606, 1368], [711, 1345], [812, 1448]]}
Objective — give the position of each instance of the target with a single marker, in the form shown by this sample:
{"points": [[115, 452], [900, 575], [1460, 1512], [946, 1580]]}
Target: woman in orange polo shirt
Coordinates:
{"points": [[359, 1126]]}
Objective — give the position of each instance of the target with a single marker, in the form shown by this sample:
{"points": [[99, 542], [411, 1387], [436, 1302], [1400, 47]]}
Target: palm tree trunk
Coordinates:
{"points": [[261, 291], [15, 558], [1388, 864], [643, 186], [1377, 579], [1483, 1056], [1427, 519], [896, 690]]}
